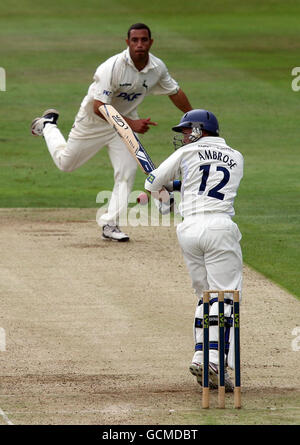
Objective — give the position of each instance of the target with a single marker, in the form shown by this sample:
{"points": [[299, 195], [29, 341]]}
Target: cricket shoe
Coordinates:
{"points": [[38, 124], [113, 233], [214, 377], [197, 370]]}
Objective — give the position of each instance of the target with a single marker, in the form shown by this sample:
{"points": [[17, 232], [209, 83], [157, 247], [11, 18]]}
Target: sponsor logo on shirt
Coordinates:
{"points": [[130, 97]]}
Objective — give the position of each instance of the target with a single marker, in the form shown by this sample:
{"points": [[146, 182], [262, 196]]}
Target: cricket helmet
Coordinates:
{"points": [[198, 120]]}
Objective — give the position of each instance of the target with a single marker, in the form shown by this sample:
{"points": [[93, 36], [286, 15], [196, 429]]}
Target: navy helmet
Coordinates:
{"points": [[198, 120]]}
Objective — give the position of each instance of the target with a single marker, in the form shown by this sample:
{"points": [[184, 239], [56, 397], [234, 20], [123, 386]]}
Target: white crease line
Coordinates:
{"points": [[5, 418]]}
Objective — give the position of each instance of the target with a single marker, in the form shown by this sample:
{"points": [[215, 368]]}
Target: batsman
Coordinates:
{"points": [[211, 172]]}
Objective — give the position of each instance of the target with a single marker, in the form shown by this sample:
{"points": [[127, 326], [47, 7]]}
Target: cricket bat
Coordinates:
{"points": [[132, 142]]}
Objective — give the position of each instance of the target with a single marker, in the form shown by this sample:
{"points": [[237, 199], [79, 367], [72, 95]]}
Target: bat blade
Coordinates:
{"points": [[130, 139], [135, 147]]}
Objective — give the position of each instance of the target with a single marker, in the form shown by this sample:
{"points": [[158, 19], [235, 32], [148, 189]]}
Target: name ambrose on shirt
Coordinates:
{"points": [[217, 155]]}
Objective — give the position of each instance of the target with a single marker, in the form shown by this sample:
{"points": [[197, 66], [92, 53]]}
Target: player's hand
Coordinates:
{"points": [[142, 125], [163, 195]]}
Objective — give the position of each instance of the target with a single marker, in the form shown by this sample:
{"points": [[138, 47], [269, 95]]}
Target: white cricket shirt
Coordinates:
{"points": [[118, 82], [210, 171]]}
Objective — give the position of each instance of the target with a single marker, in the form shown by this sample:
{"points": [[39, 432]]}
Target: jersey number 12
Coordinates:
{"points": [[214, 192]]}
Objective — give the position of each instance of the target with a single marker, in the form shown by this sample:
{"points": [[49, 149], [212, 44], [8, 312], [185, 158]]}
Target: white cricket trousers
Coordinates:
{"points": [[86, 138], [210, 245]]}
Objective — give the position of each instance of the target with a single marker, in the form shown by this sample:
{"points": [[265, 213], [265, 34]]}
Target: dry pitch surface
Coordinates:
{"points": [[101, 333]]}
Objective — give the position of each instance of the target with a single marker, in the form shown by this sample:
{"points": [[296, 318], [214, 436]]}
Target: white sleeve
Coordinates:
{"points": [[166, 84], [103, 81], [166, 172]]}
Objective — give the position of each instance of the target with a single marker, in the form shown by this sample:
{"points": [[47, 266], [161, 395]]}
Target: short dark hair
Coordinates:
{"points": [[139, 26]]}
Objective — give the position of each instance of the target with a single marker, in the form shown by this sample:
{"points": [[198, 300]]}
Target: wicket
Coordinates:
{"points": [[221, 348]]}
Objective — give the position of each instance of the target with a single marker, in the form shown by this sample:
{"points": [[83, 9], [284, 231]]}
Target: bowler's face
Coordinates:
{"points": [[139, 44]]}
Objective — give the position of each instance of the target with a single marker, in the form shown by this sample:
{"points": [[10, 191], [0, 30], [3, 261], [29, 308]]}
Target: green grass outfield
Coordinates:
{"points": [[232, 57]]}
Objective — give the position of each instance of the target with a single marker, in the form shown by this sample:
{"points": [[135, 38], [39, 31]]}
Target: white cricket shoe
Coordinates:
{"points": [[113, 233], [214, 377], [197, 370], [49, 117]]}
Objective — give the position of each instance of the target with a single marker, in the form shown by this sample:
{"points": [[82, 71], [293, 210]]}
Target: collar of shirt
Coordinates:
{"points": [[150, 65], [212, 139]]}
